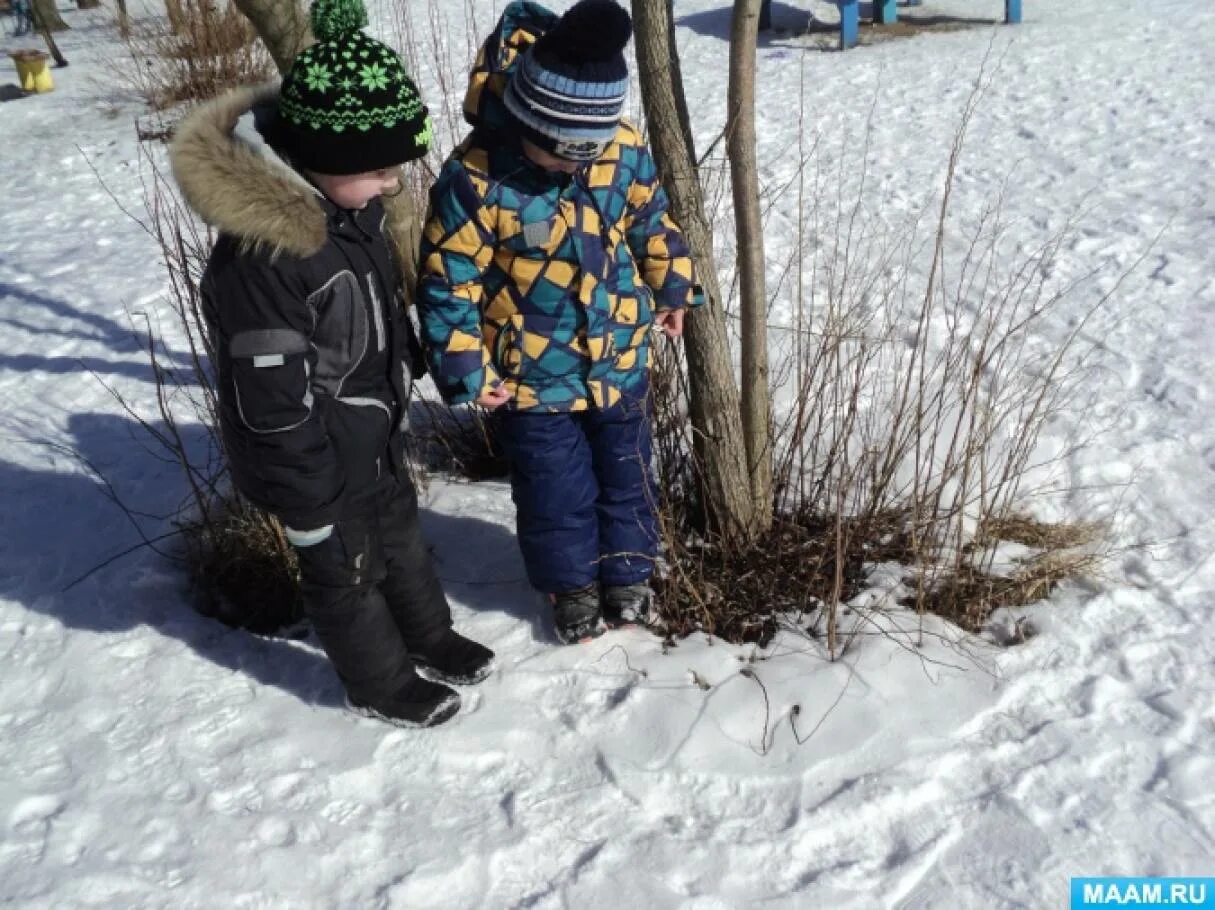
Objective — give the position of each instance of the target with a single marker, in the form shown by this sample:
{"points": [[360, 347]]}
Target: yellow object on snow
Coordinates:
{"points": [[32, 71]]}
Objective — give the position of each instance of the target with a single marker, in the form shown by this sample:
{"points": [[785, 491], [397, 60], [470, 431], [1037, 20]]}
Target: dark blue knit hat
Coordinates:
{"points": [[568, 91]]}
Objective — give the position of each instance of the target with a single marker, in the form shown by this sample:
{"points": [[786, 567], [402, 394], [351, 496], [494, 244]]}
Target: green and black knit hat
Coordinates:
{"points": [[347, 105]]}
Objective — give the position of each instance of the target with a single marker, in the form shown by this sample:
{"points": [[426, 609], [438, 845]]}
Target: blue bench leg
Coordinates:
{"points": [[1012, 11], [765, 15], [850, 23], [885, 12]]}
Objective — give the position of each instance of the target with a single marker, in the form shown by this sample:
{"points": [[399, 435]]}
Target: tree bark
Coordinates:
{"points": [[46, 16], [177, 16], [714, 402], [40, 26], [753, 303], [282, 25]]}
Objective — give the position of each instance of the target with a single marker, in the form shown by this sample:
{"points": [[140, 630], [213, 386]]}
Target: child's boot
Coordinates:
{"points": [[454, 659], [578, 615], [418, 703], [628, 605]]}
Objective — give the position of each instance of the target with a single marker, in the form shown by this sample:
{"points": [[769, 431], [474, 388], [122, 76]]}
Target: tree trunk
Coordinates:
{"points": [[282, 25], [46, 16], [177, 16], [714, 404], [753, 303], [124, 19], [41, 27]]}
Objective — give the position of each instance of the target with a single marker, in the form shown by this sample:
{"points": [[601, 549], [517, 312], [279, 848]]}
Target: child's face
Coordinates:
{"points": [[549, 162], [354, 191]]}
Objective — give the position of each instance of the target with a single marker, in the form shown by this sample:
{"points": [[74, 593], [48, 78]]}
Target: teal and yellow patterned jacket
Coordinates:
{"points": [[544, 282]]}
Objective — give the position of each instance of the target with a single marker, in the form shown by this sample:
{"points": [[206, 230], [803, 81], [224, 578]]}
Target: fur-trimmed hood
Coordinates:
{"points": [[236, 183]]}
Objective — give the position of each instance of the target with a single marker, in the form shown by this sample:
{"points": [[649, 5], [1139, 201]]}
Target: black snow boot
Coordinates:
{"points": [[628, 605], [578, 615], [418, 703], [454, 659]]}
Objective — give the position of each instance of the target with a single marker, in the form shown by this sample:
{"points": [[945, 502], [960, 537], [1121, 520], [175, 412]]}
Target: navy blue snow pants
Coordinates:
{"points": [[584, 493]]}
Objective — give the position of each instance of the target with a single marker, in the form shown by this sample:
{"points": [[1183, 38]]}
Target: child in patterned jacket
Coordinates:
{"points": [[547, 257]]}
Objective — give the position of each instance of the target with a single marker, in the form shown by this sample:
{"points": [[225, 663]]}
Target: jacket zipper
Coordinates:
{"points": [[377, 313]]}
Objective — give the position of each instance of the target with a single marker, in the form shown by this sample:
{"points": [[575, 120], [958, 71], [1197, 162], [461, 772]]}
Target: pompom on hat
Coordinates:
{"points": [[568, 92], [347, 106]]}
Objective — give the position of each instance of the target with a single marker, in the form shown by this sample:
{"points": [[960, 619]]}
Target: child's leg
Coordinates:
{"points": [[411, 588], [339, 579], [621, 448], [553, 486]]}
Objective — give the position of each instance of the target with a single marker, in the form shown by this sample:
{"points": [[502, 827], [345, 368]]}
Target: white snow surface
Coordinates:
{"points": [[153, 758]]}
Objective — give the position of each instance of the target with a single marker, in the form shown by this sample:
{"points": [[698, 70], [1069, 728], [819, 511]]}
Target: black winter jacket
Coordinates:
{"points": [[313, 350]]}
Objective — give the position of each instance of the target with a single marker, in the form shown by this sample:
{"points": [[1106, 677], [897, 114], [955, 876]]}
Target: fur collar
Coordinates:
{"points": [[235, 188], [237, 184]]}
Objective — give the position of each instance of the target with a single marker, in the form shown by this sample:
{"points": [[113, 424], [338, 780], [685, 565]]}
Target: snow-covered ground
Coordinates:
{"points": [[152, 758]]}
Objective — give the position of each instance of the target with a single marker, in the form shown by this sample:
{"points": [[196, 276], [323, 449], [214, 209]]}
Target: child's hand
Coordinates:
{"points": [[670, 321], [494, 398]]}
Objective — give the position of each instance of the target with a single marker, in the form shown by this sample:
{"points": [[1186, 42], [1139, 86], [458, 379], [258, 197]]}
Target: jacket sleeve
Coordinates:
{"points": [[656, 241], [457, 249], [281, 456]]}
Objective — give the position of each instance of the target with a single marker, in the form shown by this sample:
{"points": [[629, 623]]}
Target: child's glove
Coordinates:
{"points": [[307, 538]]}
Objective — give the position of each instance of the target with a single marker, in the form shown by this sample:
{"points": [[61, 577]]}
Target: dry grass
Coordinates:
{"points": [[744, 592], [243, 568], [968, 598], [1025, 529]]}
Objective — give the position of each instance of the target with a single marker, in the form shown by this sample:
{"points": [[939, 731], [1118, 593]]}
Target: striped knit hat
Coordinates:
{"points": [[568, 91]]}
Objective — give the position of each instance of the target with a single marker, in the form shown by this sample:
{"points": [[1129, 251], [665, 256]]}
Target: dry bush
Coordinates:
{"points": [[453, 441], [918, 387], [200, 51], [237, 557]]}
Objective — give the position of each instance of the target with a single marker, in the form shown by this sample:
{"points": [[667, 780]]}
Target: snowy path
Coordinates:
{"points": [[151, 758]]}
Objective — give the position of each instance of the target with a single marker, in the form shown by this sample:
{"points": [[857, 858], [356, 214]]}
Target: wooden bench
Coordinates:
{"points": [[884, 12]]}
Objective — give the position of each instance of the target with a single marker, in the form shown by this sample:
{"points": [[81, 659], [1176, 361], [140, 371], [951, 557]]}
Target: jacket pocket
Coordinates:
{"points": [[358, 429], [629, 328], [270, 382], [534, 346]]}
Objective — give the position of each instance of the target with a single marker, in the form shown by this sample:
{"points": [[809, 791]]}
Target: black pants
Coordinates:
{"points": [[371, 592]]}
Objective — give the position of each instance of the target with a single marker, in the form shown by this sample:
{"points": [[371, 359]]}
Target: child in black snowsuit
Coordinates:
{"points": [[314, 353]]}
